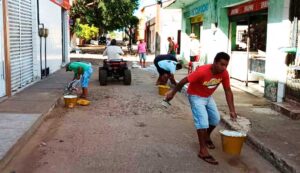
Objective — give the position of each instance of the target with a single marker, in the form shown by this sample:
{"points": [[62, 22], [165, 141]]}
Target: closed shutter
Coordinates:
{"points": [[21, 45]]}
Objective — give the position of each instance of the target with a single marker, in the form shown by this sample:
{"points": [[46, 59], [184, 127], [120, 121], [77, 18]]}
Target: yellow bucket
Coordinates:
{"points": [[163, 89], [232, 141], [70, 101]]}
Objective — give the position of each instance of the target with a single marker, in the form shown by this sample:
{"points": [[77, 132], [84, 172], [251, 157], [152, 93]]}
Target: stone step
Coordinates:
{"points": [[290, 109]]}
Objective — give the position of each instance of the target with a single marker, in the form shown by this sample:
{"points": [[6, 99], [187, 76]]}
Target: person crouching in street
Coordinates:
{"points": [[166, 66], [202, 84], [82, 71]]}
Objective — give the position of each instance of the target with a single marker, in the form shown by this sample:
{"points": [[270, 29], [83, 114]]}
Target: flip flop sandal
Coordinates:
{"points": [[209, 159], [210, 145]]}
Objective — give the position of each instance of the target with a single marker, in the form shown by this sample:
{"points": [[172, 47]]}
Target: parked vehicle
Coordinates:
{"points": [[114, 69]]}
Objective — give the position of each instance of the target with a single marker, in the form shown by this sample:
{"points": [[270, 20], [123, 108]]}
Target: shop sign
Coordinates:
{"points": [[63, 3], [198, 10], [197, 19], [249, 7]]}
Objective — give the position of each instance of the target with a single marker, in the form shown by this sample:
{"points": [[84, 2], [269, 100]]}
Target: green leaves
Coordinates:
{"points": [[85, 31], [107, 15]]}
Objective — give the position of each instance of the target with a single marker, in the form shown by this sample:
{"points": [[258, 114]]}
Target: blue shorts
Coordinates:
{"points": [[142, 56], [205, 111], [86, 77]]}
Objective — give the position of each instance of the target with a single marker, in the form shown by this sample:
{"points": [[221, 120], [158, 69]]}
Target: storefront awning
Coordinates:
{"points": [[179, 4], [236, 4], [247, 7], [63, 3]]}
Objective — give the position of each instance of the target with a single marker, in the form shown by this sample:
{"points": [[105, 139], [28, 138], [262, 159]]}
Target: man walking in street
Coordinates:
{"points": [[82, 71], [166, 66], [202, 84]]}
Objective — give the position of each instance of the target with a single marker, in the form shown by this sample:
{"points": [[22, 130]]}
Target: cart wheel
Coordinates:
{"points": [[103, 77], [127, 77]]}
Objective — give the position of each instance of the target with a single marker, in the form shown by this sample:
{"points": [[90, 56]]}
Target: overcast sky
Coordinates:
{"points": [[146, 2]]}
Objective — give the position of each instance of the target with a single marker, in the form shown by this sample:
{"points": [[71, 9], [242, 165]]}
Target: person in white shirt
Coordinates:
{"points": [[194, 51], [113, 51], [108, 40], [166, 66]]}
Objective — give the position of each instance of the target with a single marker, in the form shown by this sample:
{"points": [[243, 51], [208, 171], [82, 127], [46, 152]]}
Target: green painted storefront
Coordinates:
{"points": [[210, 13]]}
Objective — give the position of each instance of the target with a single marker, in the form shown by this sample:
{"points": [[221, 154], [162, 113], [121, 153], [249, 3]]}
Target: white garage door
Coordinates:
{"points": [[21, 45]]}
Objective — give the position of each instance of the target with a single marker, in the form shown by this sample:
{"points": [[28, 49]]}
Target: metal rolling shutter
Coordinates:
{"points": [[21, 45]]}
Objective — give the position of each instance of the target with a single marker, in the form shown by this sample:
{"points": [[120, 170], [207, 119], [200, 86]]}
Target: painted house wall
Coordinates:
{"points": [[36, 43], [275, 75], [278, 14], [50, 16], [276, 70], [148, 15], [149, 35], [170, 24], [149, 12], [2, 60], [215, 40], [206, 8]]}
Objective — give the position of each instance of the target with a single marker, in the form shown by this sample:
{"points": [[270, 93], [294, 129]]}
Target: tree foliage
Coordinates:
{"points": [[107, 15], [85, 31]]}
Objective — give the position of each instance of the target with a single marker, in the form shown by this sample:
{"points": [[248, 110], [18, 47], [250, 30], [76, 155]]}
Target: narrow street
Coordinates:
{"points": [[125, 129]]}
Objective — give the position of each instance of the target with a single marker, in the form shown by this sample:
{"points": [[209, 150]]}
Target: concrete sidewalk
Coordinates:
{"points": [[275, 136], [21, 114]]}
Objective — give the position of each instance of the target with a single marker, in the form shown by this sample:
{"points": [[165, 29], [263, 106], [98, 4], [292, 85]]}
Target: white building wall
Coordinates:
{"points": [[50, 16], [2, 61], [170, 24], [66, 35], [149, 12], [152, 39], [185, 40], [35, 39], [275, 61], [213, 41]]}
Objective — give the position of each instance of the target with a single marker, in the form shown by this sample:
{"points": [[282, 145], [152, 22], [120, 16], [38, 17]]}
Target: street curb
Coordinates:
{"points": [[25, 137], [272, 156]]}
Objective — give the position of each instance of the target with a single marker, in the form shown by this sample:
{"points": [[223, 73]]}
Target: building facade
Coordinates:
{"points": [[157, 24], [34, 41], [248, 30]]}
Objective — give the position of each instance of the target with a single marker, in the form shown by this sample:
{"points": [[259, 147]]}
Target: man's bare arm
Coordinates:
{"points": [[80, 72], [178, 87], [230, 102]]}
